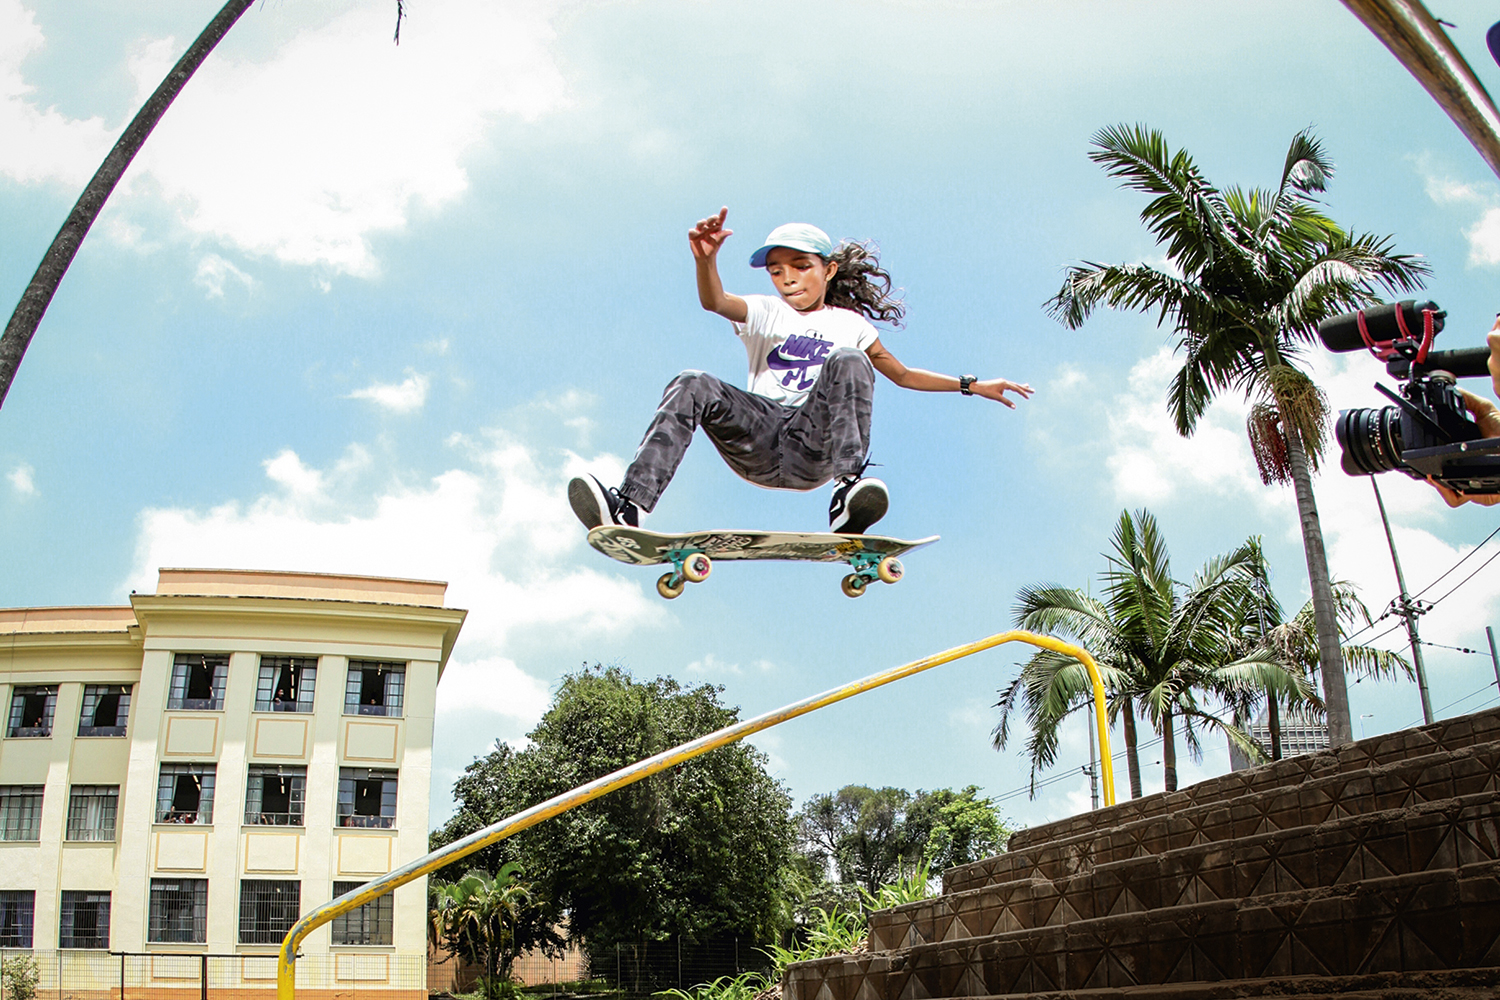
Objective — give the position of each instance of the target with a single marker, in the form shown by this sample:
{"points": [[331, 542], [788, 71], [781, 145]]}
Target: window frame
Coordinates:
{"points": [[297, 796], [13, 729], [67, 919], [378, 915], [306, 681], [393, 690], [158, 930], [271, 917], [24, 901], [90, 707], [166, 809], [345, 815], [77, 824], [17, 792], [178, 699]]}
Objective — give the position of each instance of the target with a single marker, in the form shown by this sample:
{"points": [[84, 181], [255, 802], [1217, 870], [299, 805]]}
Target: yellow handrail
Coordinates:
{"points": [[353, 900]]}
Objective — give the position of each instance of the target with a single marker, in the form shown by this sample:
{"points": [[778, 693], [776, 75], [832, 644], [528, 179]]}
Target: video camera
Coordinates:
{"points": [[1428, 432]]}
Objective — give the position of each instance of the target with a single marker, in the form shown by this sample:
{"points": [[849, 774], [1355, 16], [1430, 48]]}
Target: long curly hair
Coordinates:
{"points": [[862, 285]]}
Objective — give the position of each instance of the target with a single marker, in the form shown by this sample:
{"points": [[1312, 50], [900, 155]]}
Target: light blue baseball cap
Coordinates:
{"points": [[794, 236]]}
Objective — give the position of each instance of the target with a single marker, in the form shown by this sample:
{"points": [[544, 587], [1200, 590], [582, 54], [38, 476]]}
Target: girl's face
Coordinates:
{"points": [[800, 277]]}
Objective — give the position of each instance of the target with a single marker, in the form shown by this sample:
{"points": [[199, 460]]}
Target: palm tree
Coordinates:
{"points": [[1256, 270], [1159, 645], [1294, 643], [471, 916]]}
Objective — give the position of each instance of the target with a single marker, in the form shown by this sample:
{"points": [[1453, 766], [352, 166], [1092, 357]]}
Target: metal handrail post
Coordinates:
{"points": [[556, 806]]}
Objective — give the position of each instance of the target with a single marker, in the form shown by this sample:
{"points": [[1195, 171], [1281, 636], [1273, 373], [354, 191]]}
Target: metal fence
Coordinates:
{"points": [[674, 963], [105, 975]]}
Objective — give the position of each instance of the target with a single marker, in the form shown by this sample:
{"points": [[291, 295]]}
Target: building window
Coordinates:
{"points": [[16, 911], [274, 795], [370, 924], [179, 910], [85, 920], [268, 909], [367, 797], [91, 812], [286, 684], [106, 708], [20, 812], [374, 688], [31, 710], [198, 681], [185, 794]]}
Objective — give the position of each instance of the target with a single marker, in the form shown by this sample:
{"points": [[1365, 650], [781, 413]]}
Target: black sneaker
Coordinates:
{"points": [[596, 505], [857, 504]]}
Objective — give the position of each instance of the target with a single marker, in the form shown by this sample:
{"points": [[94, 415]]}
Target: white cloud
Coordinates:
{"points": [[306, 153], [1484, 238], [40, 144], [496, 527], [214, 270], [1151, 463], [23, 480], [710, 665], [492, 685], [406, 396], [1484, 234]]}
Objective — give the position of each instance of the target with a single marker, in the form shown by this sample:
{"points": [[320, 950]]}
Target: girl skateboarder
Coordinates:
{"points": [[813, 355]]}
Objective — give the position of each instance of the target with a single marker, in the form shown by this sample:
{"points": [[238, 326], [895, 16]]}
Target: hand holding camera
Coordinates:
{"points": [[1435, 431]]}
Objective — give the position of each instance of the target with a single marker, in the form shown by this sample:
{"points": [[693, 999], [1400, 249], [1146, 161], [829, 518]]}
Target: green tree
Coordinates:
{"points": [[1160, 646], [1294, 643], [874, 837], [477, 916], [698, 851], [1253, 273]]}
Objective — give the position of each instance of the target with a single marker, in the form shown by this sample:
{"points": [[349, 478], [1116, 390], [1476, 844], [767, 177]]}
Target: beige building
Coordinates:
{"points": [[190, 773]]}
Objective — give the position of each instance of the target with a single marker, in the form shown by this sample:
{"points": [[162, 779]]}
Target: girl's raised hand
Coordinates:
{"points": [[996, 388], [709, 235]]}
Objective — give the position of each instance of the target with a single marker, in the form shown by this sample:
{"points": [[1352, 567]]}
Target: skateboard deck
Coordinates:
{"points": [[692, 554]]}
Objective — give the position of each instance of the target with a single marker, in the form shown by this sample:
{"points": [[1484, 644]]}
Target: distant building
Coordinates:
{"points": [[190, 773], [1299, 735]]}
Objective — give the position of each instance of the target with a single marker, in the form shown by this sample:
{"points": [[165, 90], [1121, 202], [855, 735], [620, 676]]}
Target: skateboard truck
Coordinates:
{"points": [[688, 566], [869, 567]]}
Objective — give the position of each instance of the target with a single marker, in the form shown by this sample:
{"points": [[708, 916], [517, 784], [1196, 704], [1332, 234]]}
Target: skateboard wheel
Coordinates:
{"points": [[666, 588], [853, 585], [697, 567], [890, 569]]}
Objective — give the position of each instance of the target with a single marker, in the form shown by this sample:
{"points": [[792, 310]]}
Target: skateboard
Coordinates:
{"points": [[692, 554]]}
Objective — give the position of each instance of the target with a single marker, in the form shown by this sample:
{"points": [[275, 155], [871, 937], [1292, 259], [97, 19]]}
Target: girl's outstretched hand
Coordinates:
{"points": [[996, 388], [709, 235]]}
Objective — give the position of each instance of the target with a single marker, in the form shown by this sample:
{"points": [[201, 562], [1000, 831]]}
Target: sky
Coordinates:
{"points": [[360, 307]]}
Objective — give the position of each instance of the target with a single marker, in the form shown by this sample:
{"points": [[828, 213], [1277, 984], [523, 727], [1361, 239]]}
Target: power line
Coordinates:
{"points": [[1455, 566], [1467, 578]]}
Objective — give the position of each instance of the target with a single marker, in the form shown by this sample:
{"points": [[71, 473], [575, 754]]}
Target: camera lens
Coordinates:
{"points": [[1370, 439]]}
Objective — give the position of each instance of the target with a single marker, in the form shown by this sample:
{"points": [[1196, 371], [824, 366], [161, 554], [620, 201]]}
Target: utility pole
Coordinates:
{"points": [[1093, 764], [1408, 609], [1494, 657]]}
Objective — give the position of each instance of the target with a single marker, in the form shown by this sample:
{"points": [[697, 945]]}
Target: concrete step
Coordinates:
{"points": [[1446, 734], [1455, 984], [1427, 836], [1428, 921], [1320, 793]]}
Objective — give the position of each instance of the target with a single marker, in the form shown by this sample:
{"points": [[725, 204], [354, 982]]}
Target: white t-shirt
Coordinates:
{"points": [[787, 348]]}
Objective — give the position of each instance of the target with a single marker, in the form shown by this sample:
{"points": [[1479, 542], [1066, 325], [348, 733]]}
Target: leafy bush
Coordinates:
{"points": [[745, 986], [19, 976]]}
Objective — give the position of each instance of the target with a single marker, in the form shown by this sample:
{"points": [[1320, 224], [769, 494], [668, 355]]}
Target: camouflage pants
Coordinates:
{"points": [[768, 443]]}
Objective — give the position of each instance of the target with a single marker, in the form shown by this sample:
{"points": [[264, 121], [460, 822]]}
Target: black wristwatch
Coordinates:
{"points": [[964, 381]]}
